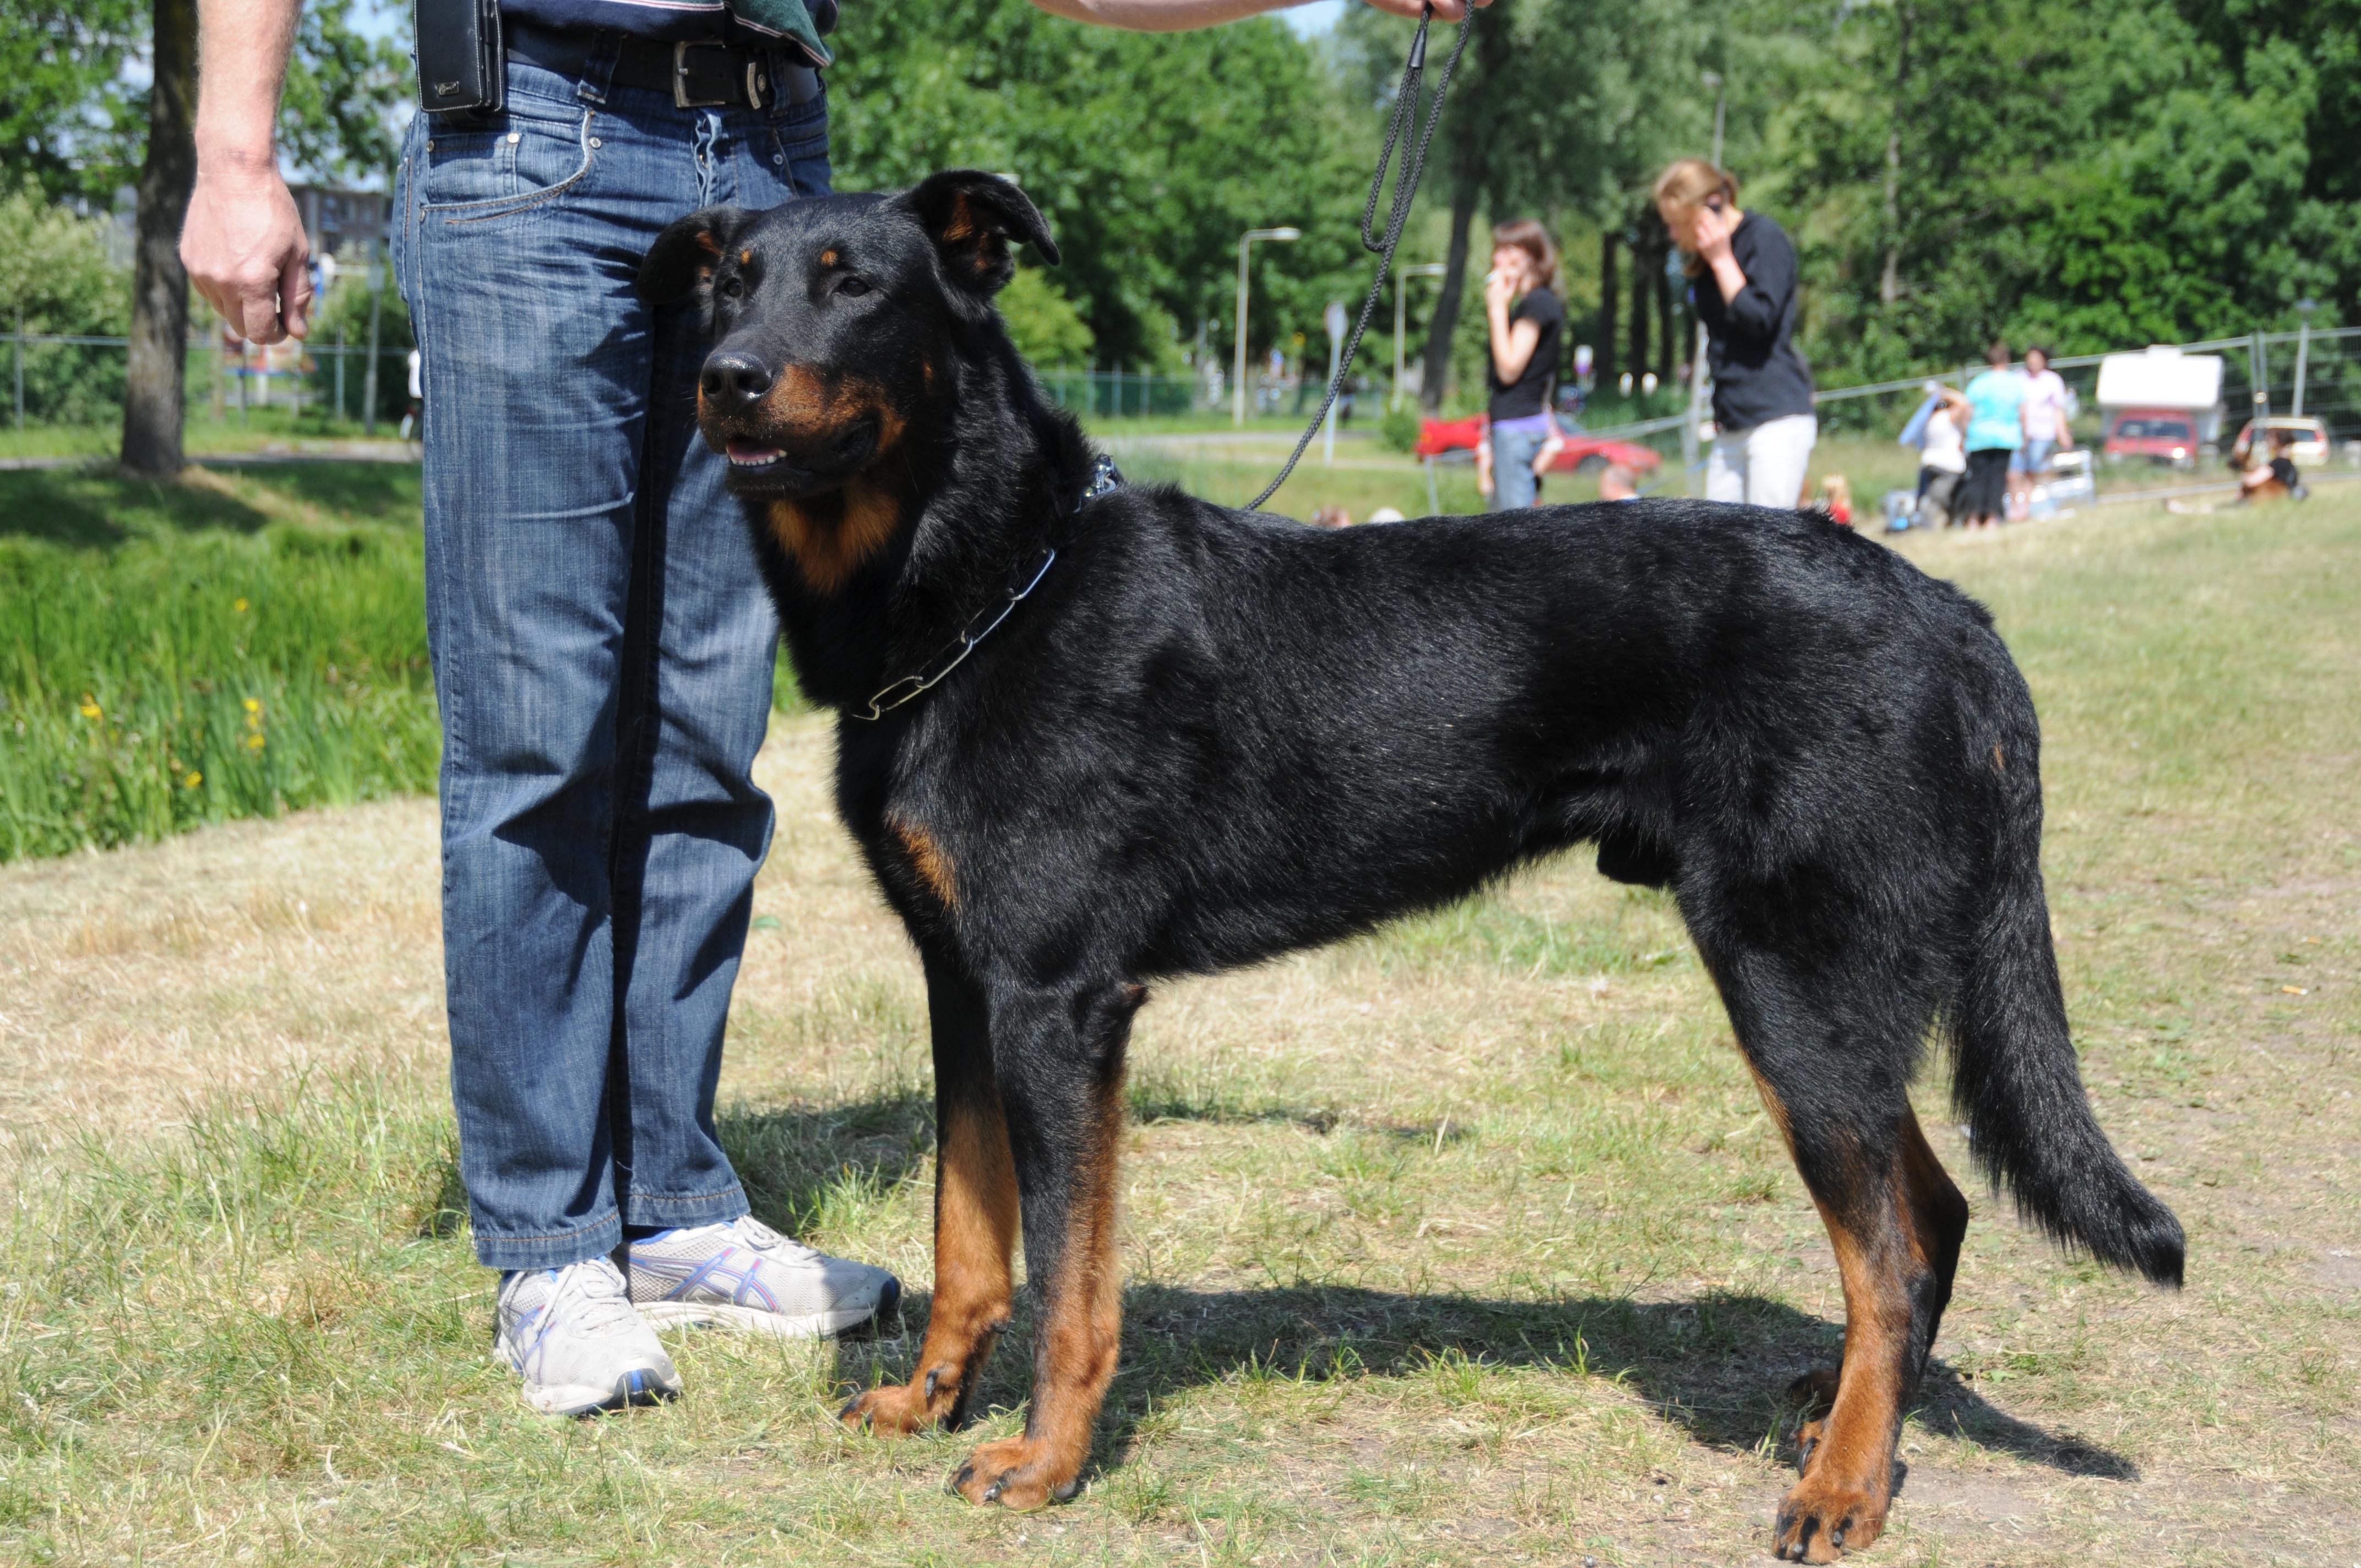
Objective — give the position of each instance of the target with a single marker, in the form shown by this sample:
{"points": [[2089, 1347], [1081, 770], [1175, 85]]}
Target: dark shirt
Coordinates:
{"points": [[1530, 395], [2283, 470], [1758, 374], [669, 20]]}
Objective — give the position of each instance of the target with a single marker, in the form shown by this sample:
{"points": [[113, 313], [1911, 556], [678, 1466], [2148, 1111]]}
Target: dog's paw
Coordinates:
{"points": [[1017, 1473], [893, 1411], [1819, 1523]]}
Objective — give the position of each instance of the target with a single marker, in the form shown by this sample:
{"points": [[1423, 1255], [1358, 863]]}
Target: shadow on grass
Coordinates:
{"points": [[97, 507], [797, 1162], [1717, 1365]]}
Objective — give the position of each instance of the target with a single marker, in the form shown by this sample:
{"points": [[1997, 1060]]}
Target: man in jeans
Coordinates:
{"points": [[602, 642]]}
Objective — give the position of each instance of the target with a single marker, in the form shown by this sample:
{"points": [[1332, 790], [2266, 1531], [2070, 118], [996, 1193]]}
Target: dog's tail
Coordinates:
{"points": [[2017, 1081]]}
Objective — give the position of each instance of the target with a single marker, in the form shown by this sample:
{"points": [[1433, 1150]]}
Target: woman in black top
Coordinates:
{"points": [[1526, 326], [1743, 273]]}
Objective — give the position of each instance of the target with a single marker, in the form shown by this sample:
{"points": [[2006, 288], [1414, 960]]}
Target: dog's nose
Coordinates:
{"points": [[734, 379]]}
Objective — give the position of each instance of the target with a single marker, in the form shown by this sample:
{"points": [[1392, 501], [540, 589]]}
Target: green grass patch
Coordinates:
{"points": [[235, 645]]}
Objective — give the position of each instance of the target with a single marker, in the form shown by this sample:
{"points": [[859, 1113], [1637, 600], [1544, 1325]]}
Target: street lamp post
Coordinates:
{"points": [[2303, 351], [1401, 284], [1238, 392]]}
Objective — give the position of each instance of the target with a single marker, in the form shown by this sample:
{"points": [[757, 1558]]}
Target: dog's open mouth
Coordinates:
{"points": [[760, 464], [752, 455]]}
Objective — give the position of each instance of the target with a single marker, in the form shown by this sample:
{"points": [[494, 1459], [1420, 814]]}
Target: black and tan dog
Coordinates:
{"points": [[1205, 736]]}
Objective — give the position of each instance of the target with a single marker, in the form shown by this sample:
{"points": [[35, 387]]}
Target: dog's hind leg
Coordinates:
{"points": [[1833, 1078], [1059, 1061], [975, 1223]]}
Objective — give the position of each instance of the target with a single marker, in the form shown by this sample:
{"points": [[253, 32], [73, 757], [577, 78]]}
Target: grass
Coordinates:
{"points": [[237, 644], [1467, 1242]]}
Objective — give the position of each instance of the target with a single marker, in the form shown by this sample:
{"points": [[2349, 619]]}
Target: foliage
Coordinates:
{"points": [[73, 124], [201, 662], [336, 118], [1149, 155], [64, 110], [53, 268], [1049, 330], [1398, 428], [2091, 177]]}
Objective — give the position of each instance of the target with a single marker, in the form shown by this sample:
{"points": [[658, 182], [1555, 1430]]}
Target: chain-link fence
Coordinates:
{"points": [[61, 381]]}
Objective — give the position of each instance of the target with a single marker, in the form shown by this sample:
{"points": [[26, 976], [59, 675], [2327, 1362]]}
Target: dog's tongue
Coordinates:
{"points": [[751, 452]]}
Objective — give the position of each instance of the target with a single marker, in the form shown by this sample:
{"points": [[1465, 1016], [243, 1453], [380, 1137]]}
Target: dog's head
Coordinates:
{"points": [[833, 319]]}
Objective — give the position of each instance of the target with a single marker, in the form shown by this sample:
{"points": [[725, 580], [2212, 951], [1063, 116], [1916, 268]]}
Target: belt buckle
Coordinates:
{"points": [[680, 69]]}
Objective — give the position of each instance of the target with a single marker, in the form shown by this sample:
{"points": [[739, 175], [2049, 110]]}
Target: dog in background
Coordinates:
{"points": [[1089, 740]]}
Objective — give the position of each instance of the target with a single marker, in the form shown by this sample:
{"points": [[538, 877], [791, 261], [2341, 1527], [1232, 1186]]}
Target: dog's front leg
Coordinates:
{"points": [[1059, 1061], [975, 1223]]}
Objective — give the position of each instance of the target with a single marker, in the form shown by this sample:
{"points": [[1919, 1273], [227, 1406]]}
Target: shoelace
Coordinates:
{"points": [[771, 1244], [594, 1298]]}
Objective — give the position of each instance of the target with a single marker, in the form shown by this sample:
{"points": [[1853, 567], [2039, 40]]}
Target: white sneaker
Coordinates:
{"points": [[746, 1276], [581, 1346]]}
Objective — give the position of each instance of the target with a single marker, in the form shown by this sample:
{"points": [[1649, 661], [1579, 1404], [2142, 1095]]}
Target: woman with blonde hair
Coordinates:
{"points": [[1526, 326], [1742, 285]]}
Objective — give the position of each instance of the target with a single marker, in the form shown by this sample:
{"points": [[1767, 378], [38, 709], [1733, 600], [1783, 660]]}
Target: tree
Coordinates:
{"points": [[156, 375], [1149, 156], [333, 118], [63, 108]]}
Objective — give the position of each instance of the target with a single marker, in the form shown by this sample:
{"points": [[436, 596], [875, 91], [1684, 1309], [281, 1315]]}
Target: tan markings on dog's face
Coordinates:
{"points": [[827, 259], [806, 408], [2000, 762], [745, 258], [705, 242], [830, 536], [961, 222]]}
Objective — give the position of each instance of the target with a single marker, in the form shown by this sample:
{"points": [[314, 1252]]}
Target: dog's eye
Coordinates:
{"points": [[733, 288], [852, 288]]}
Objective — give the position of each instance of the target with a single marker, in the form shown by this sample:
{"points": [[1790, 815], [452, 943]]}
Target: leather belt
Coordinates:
{"points": [[699, 74]]}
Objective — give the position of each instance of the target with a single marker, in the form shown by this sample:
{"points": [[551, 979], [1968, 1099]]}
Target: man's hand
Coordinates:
{"points": [[243, 243], [245, 251]]}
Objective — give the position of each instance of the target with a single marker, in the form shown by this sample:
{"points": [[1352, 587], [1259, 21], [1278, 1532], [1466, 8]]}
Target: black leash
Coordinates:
{"points": [[1413, 165]]}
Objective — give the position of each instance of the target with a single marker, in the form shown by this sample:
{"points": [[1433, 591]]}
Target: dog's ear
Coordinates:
{"points": [[973, 216], [681, 261]]}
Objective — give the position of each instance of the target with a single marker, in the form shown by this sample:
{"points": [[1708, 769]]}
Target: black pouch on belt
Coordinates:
{"points": [[461, 68]]}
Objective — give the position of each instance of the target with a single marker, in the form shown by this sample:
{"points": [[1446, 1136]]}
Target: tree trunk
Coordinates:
{"points": [[1603, 360], [1455, 282], [1642, 310], [1889, 278], [156, 377]]}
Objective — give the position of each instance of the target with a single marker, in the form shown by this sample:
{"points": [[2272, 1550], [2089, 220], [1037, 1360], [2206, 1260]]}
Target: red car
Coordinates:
{"points": [[2160, 436], [1583, 454]]}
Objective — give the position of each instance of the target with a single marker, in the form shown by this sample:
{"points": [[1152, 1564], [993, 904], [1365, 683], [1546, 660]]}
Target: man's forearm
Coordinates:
{"points": [[242, 47]]}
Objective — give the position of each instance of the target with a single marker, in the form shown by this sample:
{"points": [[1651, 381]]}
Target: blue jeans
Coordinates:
{"points": [[603, 650], [1513, 483]]}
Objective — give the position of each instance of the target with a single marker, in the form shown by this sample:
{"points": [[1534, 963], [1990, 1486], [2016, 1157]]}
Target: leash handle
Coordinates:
{"points": [[1413, 169]]}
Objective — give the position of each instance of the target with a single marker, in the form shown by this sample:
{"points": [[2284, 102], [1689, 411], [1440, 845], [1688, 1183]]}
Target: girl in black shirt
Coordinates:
{"points": [[1743, 273]]}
